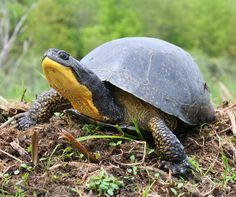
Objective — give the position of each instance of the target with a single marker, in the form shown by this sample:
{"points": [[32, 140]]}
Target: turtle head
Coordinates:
{"points": [[73, 81], [58, 62]]}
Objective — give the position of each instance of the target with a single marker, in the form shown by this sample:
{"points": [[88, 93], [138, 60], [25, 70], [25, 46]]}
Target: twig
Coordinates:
{"points": [[5, 171], [161, 172], [18, 148], [201, 145], [54, 167], [210, 191], [213, 163], [40, 190], [226, 129], [75, 143], [81, 164], [11, 156], [35, 148], [232, 120], [11, 119], [136, 163], [84, 176]]}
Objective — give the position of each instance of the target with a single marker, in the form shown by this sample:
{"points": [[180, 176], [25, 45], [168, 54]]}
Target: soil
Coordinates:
{"points": [[64, 171]]}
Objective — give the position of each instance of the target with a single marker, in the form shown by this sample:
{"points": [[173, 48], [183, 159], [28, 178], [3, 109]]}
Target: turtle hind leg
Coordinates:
{"points": [[169, 147]]}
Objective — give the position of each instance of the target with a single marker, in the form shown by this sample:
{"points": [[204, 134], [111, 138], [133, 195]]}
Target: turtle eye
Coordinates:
{"points": [[63, 55]]}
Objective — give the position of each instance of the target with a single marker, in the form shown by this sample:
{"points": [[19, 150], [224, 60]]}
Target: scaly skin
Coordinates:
{"points": [[43, 108], [169, 147]]}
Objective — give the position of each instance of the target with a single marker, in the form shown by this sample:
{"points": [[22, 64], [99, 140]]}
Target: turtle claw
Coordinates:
{"points": [[24, 122], [181, 168]]}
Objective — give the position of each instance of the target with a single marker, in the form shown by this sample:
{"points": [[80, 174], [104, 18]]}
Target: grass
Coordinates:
{"points": [[84, 138], [229, 174], [49, 162], [148, 189]]}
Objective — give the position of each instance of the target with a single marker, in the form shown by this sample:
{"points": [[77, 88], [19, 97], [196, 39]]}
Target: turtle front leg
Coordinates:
{"points": [[43, 108], [169, 147]]}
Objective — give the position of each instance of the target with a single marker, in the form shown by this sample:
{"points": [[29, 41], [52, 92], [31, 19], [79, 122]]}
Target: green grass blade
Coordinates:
{"points": [[138, 130], [125, 134], [89, 137]]}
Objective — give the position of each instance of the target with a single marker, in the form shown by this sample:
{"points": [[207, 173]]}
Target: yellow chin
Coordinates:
{"points": [[62, 79]]}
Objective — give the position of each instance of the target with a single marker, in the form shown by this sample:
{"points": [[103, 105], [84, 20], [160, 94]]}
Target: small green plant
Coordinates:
{"points": [[25, 176], [150, 150], [229, 174], [175, 190], [134, 169], [16, 172], [4, 193], [76, 191], [157, 175], [5, 179], [147, 189], [194, 163], [97, 155], [67, 152], [29, 148], [26, 167], [19, 191], [114, 144], [90, 128], [104, 184]]}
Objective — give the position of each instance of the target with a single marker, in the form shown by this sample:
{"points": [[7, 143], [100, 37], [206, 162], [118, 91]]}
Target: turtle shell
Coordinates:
{"points": [[156, 72]]}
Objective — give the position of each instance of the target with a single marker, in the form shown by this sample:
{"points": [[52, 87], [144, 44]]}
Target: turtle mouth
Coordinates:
{"points": [[60, 56]]}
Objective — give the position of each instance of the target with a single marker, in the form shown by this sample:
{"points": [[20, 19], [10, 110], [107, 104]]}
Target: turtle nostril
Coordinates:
{"points": [[64, 55]]}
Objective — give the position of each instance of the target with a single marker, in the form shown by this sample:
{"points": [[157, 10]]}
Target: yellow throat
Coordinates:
{"points": [[62, 79]]}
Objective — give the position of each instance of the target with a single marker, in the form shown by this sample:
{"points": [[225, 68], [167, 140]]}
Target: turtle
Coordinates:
{"points": [[149, 80]]}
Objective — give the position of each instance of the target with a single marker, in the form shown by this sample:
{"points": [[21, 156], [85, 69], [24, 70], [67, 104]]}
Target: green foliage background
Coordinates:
{"points": [[205, 28]]}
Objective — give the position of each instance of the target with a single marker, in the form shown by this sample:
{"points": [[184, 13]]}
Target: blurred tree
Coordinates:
{"points": [[13, 15], [212, 25], [56, 24], [204, 24], [115, 19], [176, 22]]}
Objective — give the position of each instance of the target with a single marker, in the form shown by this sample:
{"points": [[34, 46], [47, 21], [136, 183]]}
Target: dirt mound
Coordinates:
{"points": [[63, 171]]}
